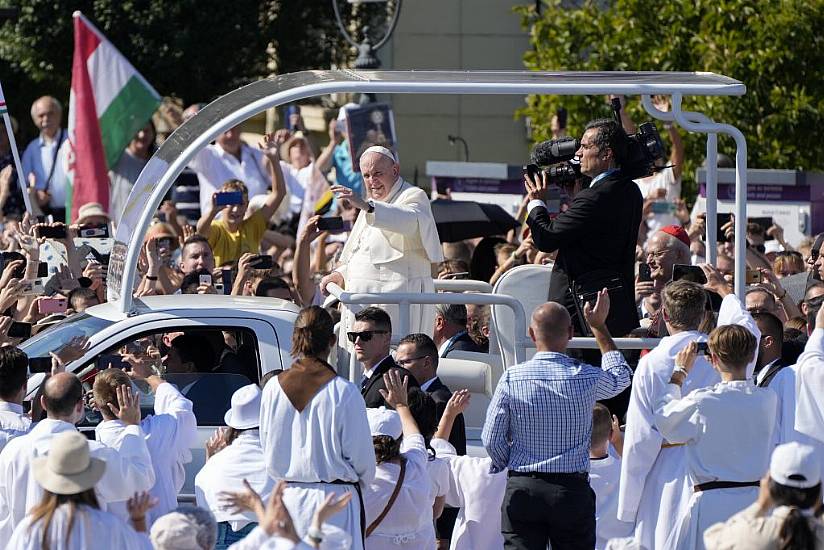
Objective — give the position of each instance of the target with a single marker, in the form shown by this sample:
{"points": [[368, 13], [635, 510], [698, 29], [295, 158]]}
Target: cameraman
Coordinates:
{"points": [[595, 237]]}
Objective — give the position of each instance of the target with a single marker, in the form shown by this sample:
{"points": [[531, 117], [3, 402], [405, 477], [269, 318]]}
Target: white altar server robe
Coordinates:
{"points": [[329, 440], [653, 487], [478, 494], [13, 422], [226, 470], [408, 525], [128, 470], [392, 250], [170, 434], [729, 431], [809, 412], [91, 529], [604, 477]]}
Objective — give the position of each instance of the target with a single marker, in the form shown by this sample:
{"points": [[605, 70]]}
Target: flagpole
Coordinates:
{"points": [[21, 178]]}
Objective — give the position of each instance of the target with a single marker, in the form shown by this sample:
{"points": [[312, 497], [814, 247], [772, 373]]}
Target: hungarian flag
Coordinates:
{"points": [[110, 101]]}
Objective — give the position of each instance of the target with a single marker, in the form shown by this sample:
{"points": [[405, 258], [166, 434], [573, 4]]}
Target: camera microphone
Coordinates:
{"points": [[554, 151]]}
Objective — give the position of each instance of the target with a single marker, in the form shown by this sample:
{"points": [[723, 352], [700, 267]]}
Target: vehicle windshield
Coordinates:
{"points": [[53, 338]]}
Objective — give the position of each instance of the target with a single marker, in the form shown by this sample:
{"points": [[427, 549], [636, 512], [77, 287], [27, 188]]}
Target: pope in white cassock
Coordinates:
{"points": [[654, 488], [393, 243]]}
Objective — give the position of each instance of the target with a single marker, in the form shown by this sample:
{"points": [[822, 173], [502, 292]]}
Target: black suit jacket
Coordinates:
{"points": [[370, 393], [772, 370], [464, 342], [598, 231], [440, 394]]}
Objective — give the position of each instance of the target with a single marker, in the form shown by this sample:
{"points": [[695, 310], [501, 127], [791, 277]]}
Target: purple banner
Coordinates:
{"points": [[478, 185], [795, 193]]}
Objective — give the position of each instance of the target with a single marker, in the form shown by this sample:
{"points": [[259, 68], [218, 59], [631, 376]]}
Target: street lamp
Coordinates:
{"points": [[452, 139], [372, 14]]}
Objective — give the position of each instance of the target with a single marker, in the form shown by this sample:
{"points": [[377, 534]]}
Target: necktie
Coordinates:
{"points": [[364, 382]]}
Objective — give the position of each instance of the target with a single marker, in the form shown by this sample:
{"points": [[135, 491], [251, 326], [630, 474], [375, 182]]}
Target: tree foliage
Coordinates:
{"points": [[192, 49], [775, 48]]}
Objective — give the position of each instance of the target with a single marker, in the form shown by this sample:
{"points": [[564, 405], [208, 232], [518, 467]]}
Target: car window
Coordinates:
{"points": [[55, 337]]}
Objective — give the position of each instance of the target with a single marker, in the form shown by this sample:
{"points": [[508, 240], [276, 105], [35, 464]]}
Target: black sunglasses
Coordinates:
{"points": [[365, 336]]}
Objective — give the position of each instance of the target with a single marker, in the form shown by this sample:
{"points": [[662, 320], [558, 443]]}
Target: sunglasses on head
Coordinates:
{"points": [[365, 335]]}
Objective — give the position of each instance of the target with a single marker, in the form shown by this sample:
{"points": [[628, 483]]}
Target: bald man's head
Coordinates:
{"points": [[551, 326], [61, 393]]}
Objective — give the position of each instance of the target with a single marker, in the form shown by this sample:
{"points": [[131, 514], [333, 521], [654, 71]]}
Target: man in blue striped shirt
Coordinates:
{"points": [[539, 424]]}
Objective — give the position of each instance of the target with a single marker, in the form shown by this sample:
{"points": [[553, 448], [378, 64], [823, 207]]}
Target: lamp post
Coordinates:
{"points": [[384, 20], [452, 139]]}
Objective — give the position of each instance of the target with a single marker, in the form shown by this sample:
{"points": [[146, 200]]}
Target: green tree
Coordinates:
{"points": [[192, 49], [775, 48]]}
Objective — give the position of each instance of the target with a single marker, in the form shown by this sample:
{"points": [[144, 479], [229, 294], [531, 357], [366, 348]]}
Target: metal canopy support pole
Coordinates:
{"points": [[740, 185]]}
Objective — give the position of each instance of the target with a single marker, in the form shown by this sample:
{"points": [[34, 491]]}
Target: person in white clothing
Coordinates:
{"points": [[128, 467], [170, 432], [477, 493], [653, 486], [395, 499], [240, 461], [394, 244], [733, 414], [69, 516], [14, 368], [604, 474], [809, 411], [313, 430]]}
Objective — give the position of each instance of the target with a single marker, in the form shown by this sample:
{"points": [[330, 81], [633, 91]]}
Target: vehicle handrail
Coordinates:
{"points": [[462, 285], [405, 299]]}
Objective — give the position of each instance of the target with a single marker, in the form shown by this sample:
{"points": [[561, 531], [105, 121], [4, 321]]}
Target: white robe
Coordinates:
{"points": [[13, 422], [91, 529], [408, 525], [604, 475], [729, 430], [329, 440], [226, 470], [259, 540], [478, 494], [809, 412], [128, 470], [392, 250], [653, 486], [170, 434]]}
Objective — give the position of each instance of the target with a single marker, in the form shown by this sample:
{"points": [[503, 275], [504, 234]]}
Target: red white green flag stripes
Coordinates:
{"points": [[110, 101]]}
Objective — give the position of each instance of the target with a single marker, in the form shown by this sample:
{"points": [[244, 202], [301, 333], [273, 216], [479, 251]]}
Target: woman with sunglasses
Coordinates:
{"points": [[314, 431]]}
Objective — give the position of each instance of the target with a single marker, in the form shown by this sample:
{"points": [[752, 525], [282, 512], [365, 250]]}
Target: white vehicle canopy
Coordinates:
{"points": [[236, 106]]}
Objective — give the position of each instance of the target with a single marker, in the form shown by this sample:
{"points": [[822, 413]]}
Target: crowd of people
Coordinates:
{"points": [[713, 441]]}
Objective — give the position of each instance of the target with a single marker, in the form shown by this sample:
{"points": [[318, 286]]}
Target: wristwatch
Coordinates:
{"points": [[371, 207], [315, 535]]}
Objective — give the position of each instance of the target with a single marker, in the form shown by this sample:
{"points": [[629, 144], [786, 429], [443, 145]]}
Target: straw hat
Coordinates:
{"points": [[68, 469], [90, 209], [245, 411]]}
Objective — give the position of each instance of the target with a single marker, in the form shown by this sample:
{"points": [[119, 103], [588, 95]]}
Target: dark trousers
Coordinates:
{"points": [[548, 508]]}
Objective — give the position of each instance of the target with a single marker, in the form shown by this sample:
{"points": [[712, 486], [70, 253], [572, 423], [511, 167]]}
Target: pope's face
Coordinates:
{"points": [[379, 174]]}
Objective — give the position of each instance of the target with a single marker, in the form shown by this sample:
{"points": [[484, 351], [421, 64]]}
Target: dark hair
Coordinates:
{"points": [[192, 280], [196, 238], [14, 370], [63, 401], [313, 331], [195, 350], [79, 294], [423, 345], [377, 316], [794, 342], [454, 314], [610, 136], [45, 509], [601, 424], [483, 263], [795, 533], [386, 448], [422, 407], [770, 325], [271, 283]]}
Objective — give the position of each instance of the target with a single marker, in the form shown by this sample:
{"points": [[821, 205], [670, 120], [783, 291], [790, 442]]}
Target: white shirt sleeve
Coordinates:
{"points": [[168, 400], [809, 388], [534, 203], [128, 467], [676, 417], [356, 437]]}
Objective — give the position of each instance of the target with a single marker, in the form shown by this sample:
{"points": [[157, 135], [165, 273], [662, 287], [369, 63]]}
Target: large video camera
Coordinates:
{"points": [[643, 149]]}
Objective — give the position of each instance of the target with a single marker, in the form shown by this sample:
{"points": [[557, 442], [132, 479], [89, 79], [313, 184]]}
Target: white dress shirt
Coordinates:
{"points": [[128, 470], [170, 434], [226, 470], [13, 422]]}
